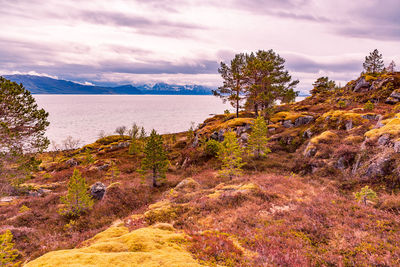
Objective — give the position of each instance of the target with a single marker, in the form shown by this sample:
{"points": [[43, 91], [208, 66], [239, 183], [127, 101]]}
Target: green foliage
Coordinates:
{"points": [[89, 159], [234, 81], [22, 130], [365, 194], [143, 133], [113, 172], [227, 112], [258, 141], [267, 81], [135, 147], [322, 84], [8, 254], [230, 155], [374, 62], [23, 209], [190, 133], [342, 104], [259, 78], [212, 148], [77, 200], [369, 105], [155, 159]]}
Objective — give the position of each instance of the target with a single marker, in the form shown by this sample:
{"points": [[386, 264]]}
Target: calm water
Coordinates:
{"points": [[84, 116]]}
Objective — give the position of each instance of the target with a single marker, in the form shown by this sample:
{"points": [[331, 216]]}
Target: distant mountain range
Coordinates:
{"points": [[47, 85]]}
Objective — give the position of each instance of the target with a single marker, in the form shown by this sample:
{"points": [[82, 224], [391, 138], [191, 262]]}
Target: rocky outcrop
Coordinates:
{"points": [[361, 84], [379, 166], [394, 97], [303, 120], [98, 190]]}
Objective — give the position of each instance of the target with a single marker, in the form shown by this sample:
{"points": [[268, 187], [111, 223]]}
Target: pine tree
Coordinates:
{"points": [[392, 67], [155, 159], [322, 84], [113, 172], [373, 63], [77, 200], [230, 155], [8, 254], [267, 81], [233, 81], [22, 131], [258, 141]]}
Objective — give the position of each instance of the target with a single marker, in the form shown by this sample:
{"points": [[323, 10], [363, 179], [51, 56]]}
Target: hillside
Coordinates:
{"points": [[294, 207], [47, 85]]}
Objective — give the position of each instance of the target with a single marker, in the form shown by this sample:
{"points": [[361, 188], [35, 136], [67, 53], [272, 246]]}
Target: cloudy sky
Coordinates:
{"points": [[178, 41]]}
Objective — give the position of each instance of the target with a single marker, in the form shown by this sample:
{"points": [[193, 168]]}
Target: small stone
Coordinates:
{"points": [[244, 137], [72, 162], [307, 133], [369, 117], [288, 124], [349, 125], [98, 190]]}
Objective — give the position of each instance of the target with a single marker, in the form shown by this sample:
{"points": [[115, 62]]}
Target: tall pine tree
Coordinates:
{"points": [[373, 63], [233, 81], [268, 81], [155, 159]]}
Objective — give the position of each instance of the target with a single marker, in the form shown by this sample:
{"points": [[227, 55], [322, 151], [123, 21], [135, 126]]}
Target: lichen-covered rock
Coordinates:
{"points": [[186, 186], [380, 166], [310, 151], [303, 120], [98, 190], [287, 124], [361, 84], [394, 97]]}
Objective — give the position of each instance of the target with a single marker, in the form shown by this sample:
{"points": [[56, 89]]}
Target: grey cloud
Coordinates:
{"points": [[303, 64]]}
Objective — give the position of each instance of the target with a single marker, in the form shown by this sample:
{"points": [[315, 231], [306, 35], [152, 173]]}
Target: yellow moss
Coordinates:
{"points": [[370, 78], [342, 115], [285, 115], [391, 126], [163, 211], [244, 189], [353, 139], [273, 126], [325, 137], [150, 246], [235, 122]]}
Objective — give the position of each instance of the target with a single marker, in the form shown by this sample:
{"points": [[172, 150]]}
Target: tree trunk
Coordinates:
{"points": [[256, 109], [154, 177]]}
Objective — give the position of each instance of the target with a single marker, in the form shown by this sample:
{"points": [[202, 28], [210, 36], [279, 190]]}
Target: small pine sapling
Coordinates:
{"points": [[8, 254], [77, 200], [258, 140], [155, 160], [230, 155], [365, 194]]}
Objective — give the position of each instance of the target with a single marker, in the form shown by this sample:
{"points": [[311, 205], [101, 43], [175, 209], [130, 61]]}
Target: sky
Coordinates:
{"points": [[183, 42]]}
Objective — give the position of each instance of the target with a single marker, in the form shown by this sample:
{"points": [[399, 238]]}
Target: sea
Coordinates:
{"points": [[87, 117]]}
